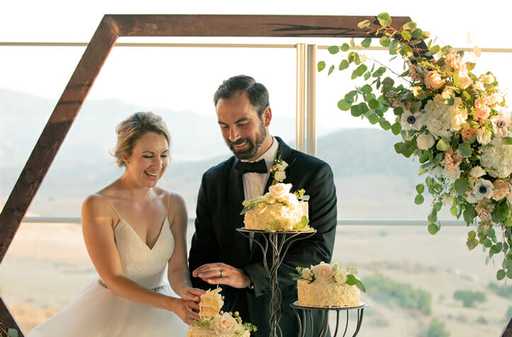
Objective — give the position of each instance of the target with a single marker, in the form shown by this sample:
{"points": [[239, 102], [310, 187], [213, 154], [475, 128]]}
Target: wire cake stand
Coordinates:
{"points": [[305, 319], [274, 248]]}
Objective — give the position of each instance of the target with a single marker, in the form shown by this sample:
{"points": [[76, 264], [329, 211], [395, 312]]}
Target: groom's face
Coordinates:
{"points": [[243, 130]]}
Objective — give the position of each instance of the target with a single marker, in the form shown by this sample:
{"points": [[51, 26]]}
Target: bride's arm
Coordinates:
{"points": [[99, 239], [178, 273]]}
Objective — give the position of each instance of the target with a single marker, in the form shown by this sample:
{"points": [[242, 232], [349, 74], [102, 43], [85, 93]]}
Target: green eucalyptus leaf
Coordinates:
{"points": [[420, 188], [333, 49], [384, 19], [419, 199], [366, 42], [469, 214], [411, 25], [356, 110], [384, 41], [466, 150], [396, 128], [343, 65], [379, 72], [343, 105], [374, 104], [321, 65], [354, 281], [384, 124], [461, 185], [360, 70], [433, 228], [406, 35], [472, 243], [500, 275], [331, 69], [345, 47]]}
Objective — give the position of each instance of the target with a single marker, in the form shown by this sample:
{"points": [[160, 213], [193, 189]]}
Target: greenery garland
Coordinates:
{"points": [[449, 118]]}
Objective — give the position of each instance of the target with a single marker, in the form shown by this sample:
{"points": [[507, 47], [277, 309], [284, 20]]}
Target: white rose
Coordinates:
{"points": [[280, 189], [280, 176], [483, 136], [477, 172], [425, 141]]}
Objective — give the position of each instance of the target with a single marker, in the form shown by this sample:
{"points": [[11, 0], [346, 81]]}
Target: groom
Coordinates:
{"points": [[219, 255]]}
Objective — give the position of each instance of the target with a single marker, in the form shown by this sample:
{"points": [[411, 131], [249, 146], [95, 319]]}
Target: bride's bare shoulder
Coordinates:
{"points": [[97, 206], [172, 200]]}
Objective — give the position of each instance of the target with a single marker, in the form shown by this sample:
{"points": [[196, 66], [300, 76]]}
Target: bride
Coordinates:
{"points": [[132, 231]]}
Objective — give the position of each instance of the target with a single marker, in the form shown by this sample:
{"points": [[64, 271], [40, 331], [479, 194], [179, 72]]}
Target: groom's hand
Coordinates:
{"points": [[221, 273]]}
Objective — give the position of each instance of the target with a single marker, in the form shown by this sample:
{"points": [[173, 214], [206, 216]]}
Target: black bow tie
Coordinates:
{"points": [[256, 166]]}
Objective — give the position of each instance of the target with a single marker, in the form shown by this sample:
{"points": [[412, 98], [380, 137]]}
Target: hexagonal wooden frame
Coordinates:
{"points": [[110, 28]]}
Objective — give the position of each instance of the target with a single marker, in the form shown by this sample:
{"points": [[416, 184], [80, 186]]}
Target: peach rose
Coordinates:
{"points": [[433, 80], [501, 189], [452, 162], [468, 132], [453, 59], [462, 79], [482, 110]]}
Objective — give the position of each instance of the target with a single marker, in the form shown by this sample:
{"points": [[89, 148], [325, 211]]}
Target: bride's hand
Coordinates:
{"points": [[186, 310], [192, 294]]}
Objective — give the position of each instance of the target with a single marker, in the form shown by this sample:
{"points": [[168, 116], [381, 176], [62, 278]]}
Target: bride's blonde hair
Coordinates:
{"points": [[131, 129]]}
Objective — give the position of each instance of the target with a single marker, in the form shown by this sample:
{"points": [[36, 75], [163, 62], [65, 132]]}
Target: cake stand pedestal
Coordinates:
{"points": [[274, 248], [305, 319]]}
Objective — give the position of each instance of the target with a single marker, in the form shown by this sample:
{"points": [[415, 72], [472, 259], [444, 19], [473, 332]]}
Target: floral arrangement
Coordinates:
{"points": [[278, 210], [330, 273], [450, 118]]}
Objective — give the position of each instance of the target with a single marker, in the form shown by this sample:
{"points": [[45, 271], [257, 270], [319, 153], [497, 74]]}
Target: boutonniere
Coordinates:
{"points": [[277, 172]]}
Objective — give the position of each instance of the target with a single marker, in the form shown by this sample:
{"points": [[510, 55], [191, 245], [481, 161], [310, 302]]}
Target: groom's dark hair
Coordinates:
{"points": [[258, 94]]}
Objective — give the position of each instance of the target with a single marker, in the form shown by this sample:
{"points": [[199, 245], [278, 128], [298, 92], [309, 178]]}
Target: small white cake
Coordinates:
{"points": [[214, 323], [325, 286]]}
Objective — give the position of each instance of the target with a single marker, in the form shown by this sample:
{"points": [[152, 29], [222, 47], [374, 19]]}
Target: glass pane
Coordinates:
{"points": [[32, 80], [416, 282], [177, 83]]}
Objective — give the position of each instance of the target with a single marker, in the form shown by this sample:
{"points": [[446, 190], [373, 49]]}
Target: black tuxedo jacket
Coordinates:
{"points": [[216, 239]]}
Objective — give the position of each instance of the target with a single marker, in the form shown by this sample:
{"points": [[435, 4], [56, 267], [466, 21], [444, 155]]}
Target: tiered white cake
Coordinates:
{"points": [[277, 210]]}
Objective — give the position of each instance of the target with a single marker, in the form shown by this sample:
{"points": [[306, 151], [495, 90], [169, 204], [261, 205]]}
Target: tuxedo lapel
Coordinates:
{"points": [[235, 197]]}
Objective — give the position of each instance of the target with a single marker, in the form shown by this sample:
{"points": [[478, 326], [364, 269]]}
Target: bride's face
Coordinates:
{"points": [[149, 159]]}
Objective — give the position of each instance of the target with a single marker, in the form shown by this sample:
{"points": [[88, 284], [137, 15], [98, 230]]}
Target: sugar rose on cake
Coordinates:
{"points": [[278, 210], [328, 285]]}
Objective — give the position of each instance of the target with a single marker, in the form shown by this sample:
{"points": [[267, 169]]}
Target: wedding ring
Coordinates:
{"points": [[221, 275]]}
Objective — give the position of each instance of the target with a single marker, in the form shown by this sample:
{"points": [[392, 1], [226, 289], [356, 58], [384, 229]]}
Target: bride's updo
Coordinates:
{"points": [[131, 129]]}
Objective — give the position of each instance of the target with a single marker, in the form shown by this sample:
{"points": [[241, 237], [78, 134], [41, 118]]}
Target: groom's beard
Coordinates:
{"points": [[252, 145]]}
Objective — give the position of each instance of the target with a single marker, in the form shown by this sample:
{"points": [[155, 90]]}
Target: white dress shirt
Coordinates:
{"points": [[254, 183]]}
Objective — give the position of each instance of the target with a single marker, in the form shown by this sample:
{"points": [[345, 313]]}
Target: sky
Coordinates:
{"points": [[184, 79]]}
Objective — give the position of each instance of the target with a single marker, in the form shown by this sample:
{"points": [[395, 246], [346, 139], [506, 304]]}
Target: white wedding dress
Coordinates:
{"points": [[97, 312]]}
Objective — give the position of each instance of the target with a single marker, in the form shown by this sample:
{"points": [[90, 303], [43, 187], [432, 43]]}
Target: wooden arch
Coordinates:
{"points": [[109, 30]]}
